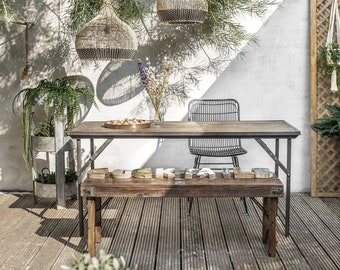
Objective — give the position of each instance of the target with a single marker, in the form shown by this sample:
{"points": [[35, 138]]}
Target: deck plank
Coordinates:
{"points": [[239, 248], [144, 253], [22, 242], [124, 240], [169, 245], [327, 239], [333, 204], [75, 245], [309, 247], [13, 211], [193, 256], [216, 251], [253, 227], [159, 235], [111, 216], [53, 227], [286, 248]]}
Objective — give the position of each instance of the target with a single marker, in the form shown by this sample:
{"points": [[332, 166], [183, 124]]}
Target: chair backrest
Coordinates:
{"points": [[213, 110]]}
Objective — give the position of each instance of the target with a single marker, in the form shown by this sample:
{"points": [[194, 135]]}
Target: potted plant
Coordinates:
{"points": [[329, 125], [60, 99], [42, 138], [102, 262], [45, 184], [329, 63]]}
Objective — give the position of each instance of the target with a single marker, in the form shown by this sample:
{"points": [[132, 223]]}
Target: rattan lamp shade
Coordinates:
{"points": [[182, 11], [106, 37]]}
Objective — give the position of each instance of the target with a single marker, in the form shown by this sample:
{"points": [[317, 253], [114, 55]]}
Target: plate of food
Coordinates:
{"points": [[127, 123]]}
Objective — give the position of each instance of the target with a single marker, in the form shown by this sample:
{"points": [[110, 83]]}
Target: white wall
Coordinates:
{"points": [[270, 81]]}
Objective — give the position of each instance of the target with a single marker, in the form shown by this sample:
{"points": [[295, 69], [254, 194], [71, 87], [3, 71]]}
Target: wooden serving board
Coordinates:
{"points": [[127, 125]]}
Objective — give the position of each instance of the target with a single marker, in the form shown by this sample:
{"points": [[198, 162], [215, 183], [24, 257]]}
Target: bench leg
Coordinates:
{"points": [[269, 224], [98, 220], [91, 236], [94, 224]]}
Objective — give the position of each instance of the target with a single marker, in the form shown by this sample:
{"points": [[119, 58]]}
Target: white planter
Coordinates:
{"points": [[47, 144], [49, 190]]}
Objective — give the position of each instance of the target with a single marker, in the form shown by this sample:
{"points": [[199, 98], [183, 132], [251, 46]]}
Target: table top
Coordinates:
{"points": [[189, 129], [219, 187]]}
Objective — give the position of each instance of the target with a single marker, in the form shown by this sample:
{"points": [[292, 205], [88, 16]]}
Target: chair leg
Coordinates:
{"points": [[191, 199], [196, 166], [245, 205], [197, 162], [235, 161], [236, 164]]}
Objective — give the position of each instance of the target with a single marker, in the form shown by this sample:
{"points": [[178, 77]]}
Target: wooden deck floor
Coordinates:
{"points": [[158, 234]]}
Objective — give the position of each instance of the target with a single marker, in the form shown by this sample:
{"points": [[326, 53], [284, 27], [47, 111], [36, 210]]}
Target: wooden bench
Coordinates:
{"points": [[269, 189]]}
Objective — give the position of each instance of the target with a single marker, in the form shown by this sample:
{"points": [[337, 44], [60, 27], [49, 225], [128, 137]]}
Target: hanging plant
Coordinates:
{"points": [[61, 99], [328, 125], [329, 60], [329, 57]]}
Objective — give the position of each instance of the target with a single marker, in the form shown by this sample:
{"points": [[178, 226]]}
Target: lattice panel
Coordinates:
{"points": [[326, 156]]}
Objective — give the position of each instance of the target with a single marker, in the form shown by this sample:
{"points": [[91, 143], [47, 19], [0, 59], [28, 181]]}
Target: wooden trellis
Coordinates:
{"points": [[325, 152]]}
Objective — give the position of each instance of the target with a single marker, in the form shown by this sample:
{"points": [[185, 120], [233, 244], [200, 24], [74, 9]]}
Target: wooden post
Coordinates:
{"points": [[269, 224], [60, 162]]}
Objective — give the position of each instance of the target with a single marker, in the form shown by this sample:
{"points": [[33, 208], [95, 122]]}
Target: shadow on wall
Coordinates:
{"points": [[118, 83], [47, 54], [268, 79]]}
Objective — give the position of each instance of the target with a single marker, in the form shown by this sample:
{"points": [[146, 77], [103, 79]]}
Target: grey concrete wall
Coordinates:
{"points": [[271, 81]]}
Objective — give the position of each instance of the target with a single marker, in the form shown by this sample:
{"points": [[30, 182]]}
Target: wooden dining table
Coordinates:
{"points": [[258, 130]]}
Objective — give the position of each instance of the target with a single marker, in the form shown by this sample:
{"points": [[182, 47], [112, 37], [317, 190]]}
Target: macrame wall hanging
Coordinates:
{"points": [[334, 19]]}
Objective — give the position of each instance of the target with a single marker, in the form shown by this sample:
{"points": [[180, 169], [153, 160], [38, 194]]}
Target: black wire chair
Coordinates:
{"points": [[215, 110]]}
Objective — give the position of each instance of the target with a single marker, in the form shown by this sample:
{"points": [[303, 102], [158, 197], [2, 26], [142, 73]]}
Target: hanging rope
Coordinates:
{"points": [[27, 66], [334, 18]]}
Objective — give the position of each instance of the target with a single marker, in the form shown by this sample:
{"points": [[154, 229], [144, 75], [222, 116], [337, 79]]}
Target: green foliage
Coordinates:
{"points": [[70, 176], [47, 177], [328, 125], [131, 11], [8, 11], [219, 29], [105, 261], [82, 11], [329, 58], [61, 99], [46, 129]]}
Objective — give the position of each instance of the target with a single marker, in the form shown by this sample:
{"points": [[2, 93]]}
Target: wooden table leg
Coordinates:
{"points": [[269, 224], [91, 236]]}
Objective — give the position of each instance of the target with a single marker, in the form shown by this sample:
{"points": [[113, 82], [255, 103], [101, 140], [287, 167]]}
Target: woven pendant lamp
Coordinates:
{"points": [[182, 11], [106, 37]]}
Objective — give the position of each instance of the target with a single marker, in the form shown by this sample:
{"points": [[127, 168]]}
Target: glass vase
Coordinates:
{"points": [[158, 116]]}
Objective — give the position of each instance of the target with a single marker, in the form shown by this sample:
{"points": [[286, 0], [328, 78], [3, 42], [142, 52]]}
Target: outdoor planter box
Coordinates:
{"points": [[47, 144], [43, 190]]}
